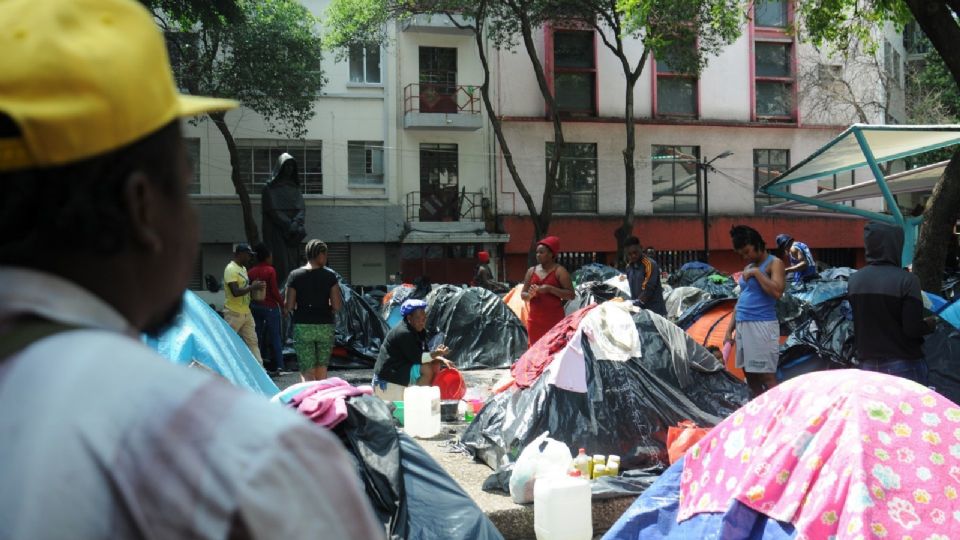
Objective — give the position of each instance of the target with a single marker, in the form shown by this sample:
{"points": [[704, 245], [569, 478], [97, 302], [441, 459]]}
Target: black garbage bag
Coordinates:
{"points": [[593, 292], [839, 272], [627, 408], [942, 352], [717, 285], [409, 491], [593, 272], [827, 333], [481, 331], [360, 330], [688, 274], [791, 312]]}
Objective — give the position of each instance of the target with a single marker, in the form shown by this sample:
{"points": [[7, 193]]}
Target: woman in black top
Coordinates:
{"points": [[313, 294]]}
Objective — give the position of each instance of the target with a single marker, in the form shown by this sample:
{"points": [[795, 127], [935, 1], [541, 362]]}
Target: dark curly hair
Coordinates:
{"points": [[743, 235]]}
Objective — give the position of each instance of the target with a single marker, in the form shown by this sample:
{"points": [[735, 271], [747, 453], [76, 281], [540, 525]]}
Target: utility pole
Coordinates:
{"points": [[706, 166]]}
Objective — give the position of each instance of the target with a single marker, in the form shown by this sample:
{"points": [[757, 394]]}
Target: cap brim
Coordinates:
{"points": [[197, 105]]}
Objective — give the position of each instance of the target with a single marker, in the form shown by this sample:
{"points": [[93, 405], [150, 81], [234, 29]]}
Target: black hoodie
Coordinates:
{"points": [[887, 306]]}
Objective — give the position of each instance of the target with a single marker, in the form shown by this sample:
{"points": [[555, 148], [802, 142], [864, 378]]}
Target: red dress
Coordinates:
{"points": [[546, 309]]}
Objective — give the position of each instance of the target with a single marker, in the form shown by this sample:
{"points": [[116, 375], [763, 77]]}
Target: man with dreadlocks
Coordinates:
{"points": [[313, 295]]}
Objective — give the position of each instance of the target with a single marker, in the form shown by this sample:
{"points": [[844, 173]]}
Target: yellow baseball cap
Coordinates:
{"points": [[83, 77]]}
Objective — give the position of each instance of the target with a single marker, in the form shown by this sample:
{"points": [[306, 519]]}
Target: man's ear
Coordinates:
{"points": [[140, 196]]}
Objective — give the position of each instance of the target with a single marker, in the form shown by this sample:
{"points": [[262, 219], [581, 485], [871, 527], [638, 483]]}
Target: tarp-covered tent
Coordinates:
{"points": [[710, 327], [840, 454], [516, 303], [200, 335], [360, 332], [390, 312], [480, 330], [614, 386], [593, 272]]}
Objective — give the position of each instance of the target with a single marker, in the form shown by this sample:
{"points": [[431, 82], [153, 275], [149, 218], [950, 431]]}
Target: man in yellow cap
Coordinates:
{"points": [[100, 437]]}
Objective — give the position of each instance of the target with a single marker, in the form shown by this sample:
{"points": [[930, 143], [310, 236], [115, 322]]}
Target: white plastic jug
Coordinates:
{"points": [[421, 411], [562, 509]]}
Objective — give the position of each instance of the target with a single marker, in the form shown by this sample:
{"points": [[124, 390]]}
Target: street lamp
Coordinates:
{"points": [[706, 166]]}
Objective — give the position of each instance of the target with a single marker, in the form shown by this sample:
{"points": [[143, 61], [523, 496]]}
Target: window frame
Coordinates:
{"points": [[367, 147], [574, 208], [674, 163], [768, 200], [552, 70], [780, 36], [367, 50], [311, 183], [195, 187], [655, 98]]}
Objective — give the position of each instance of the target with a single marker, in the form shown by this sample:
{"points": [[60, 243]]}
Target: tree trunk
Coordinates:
{"points": [[937, 228], [249, 225], [943, 207]]}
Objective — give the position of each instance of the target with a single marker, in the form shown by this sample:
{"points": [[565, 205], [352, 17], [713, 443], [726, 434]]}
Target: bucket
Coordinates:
{"points": [[398, 411], [451, 384]]}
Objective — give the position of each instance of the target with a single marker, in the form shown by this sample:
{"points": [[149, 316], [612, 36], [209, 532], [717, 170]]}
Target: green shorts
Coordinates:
{"points": [[314, 344]]}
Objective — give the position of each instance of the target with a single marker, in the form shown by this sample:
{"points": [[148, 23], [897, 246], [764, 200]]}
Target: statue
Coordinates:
{"points": [[283, 217]]}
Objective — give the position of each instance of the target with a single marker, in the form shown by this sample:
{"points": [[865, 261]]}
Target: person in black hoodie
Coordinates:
{"points": [[887, 306]]}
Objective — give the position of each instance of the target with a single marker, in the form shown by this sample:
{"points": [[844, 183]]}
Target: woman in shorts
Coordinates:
{"points": [[313, 295]]}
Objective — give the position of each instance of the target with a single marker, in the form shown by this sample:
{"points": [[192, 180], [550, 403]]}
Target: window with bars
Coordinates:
{"points": [[767, 165], [576, 189], [258, 161], [575, 72], [365, 64], [365, 163], [676, 179], [193, 154]]}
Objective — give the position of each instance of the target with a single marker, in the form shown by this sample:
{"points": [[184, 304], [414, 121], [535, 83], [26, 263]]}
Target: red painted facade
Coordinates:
{"points": [[674, 233]]}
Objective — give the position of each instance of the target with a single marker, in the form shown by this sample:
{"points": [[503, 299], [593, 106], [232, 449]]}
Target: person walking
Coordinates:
{"points": [[755, 321], [313, 296], [643, 274], [237, 289], [103, 437], [888, 322], [802, 265], [546, 286], [266, 309]]}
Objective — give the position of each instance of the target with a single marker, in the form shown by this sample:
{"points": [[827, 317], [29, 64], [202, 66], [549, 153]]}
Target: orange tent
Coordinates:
{"points": [[517, 305], [710, 328]]}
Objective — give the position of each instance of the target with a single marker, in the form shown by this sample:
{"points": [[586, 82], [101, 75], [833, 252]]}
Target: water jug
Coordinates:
{"points": [[562, 509], [421, 411]]}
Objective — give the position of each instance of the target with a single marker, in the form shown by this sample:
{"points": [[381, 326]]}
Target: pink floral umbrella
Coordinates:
{"points": [[839, 454]]}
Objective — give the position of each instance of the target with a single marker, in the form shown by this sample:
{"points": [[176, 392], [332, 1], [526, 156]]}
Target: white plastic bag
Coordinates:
{"points": [[541, 458]]}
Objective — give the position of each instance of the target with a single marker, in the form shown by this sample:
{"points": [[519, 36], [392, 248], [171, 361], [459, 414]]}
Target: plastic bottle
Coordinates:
{"points": [[598, 459], [613, 465], [599, 470], [562, 509], [582, 463], [421, 412]]}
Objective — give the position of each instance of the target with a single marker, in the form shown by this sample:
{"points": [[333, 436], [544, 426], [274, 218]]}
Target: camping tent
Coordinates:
{"points": [[480, 330], [359, 334]]}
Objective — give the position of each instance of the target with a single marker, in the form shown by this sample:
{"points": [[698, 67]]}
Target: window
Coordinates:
{"points": [[365, 64], [258, 160], [193, 153], [439, 182], [438, 80], [891, 62], [576, 189], [836, 181], [574, 72], [365, 163], [774, 79], [767, 165], [676, 91], [914, 40], [676, 179], [770, 13]]}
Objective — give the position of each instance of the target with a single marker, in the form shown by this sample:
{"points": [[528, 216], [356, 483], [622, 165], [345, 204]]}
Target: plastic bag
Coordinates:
{"points": [[541, 458], [681, 437]]}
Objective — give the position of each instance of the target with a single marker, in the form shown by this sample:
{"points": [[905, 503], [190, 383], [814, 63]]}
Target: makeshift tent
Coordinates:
{"points": [[516, 303], [593, 272], [390, 312], [613, 387], [479, 329], [680, 299], [199, 334], [860, 146], [711, 327], [596, 292], [360, 332]]}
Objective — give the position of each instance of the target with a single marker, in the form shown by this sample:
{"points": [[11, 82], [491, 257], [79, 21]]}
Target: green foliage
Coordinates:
{"points": [[356, 22], [270, 61], [935, 77], [841, 24], [206, 12], [684, 33]]}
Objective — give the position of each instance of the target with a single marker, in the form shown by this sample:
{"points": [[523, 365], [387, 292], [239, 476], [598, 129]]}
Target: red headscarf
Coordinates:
{"points": [[552, 243], [483, 257]]}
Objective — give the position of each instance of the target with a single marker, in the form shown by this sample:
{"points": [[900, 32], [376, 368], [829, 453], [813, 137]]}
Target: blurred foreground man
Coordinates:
{"points": [[100, 437]]}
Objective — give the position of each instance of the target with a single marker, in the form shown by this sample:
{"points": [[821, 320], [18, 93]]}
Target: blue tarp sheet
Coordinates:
{"points": [[654, 515], [201, 334]]}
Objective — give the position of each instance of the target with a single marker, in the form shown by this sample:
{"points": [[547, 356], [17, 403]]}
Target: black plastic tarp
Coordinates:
{"points": [[360, 330], [840, 272], [942, 351], [827, 333], [593, 272], [411, 494], [688, 274], [593, 292], [399, 295], [480, 330], [817, 291], [627, 408]]}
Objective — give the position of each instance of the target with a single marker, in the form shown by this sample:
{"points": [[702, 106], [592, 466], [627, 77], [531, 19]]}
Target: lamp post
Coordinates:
{"points": [[706, 166]]}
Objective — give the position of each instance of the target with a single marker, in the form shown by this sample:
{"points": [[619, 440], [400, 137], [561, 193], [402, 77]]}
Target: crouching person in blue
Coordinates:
{"points": [[405, 359]]}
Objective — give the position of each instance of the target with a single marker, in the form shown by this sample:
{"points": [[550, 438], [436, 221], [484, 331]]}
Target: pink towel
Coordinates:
{"points": [[325, 402]]}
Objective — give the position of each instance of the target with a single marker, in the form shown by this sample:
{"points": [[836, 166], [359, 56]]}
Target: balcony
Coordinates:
{"points": [[438, 23], [445, 204], [441, 106]]}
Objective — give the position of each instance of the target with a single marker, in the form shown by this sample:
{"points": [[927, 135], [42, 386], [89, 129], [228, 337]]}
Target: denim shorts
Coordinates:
{"points": [[915, 370]]}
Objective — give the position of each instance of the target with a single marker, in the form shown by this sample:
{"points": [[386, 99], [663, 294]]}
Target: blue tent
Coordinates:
{"points": [[200, 334]]}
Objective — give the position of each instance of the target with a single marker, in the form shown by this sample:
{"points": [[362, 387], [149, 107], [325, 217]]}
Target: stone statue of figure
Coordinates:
{"points": [[283, 217]]}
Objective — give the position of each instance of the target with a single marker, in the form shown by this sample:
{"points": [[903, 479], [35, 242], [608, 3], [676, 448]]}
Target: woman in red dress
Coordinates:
{"points": [[545, 287]]}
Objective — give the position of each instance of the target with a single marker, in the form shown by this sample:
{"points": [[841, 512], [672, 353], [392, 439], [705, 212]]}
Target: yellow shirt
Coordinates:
{"points": [[235, 273]]}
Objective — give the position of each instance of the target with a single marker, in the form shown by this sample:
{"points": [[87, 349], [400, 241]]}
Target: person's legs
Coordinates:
{"points": [[758, 351], [260, 324], [248, 331], [303, 343], [428, 371], [272, 331], [323, 345]]}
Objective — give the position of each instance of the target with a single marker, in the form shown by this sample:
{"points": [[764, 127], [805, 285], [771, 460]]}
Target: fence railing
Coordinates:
{"points": [[441, 98], [444, 204]]}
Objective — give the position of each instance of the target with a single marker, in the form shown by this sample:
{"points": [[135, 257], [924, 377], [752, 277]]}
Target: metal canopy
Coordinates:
{"points": [[863, 145]]}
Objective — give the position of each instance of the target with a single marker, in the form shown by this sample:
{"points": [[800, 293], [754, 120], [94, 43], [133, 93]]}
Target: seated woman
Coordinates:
{"points": [[405, 359]]}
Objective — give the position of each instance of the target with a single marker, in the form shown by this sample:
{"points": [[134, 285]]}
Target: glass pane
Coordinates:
{"points": [[355, 159], [356, 64], [676, 186], [312, 170], [676, 95], [771, 13], [577, 177], [774, 99], [573, 49], [574, 92], [773, 59], [373, 64]]}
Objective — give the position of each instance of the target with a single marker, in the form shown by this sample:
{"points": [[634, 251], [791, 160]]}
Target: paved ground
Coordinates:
{"points": [[515, 521]]}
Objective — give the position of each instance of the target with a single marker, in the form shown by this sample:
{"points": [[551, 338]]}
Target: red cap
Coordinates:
{"points": [[483, 256], [552, 243]]}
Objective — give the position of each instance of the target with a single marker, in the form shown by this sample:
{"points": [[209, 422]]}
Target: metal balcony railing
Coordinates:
{"points": [[444, 204], [441, 98]]}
